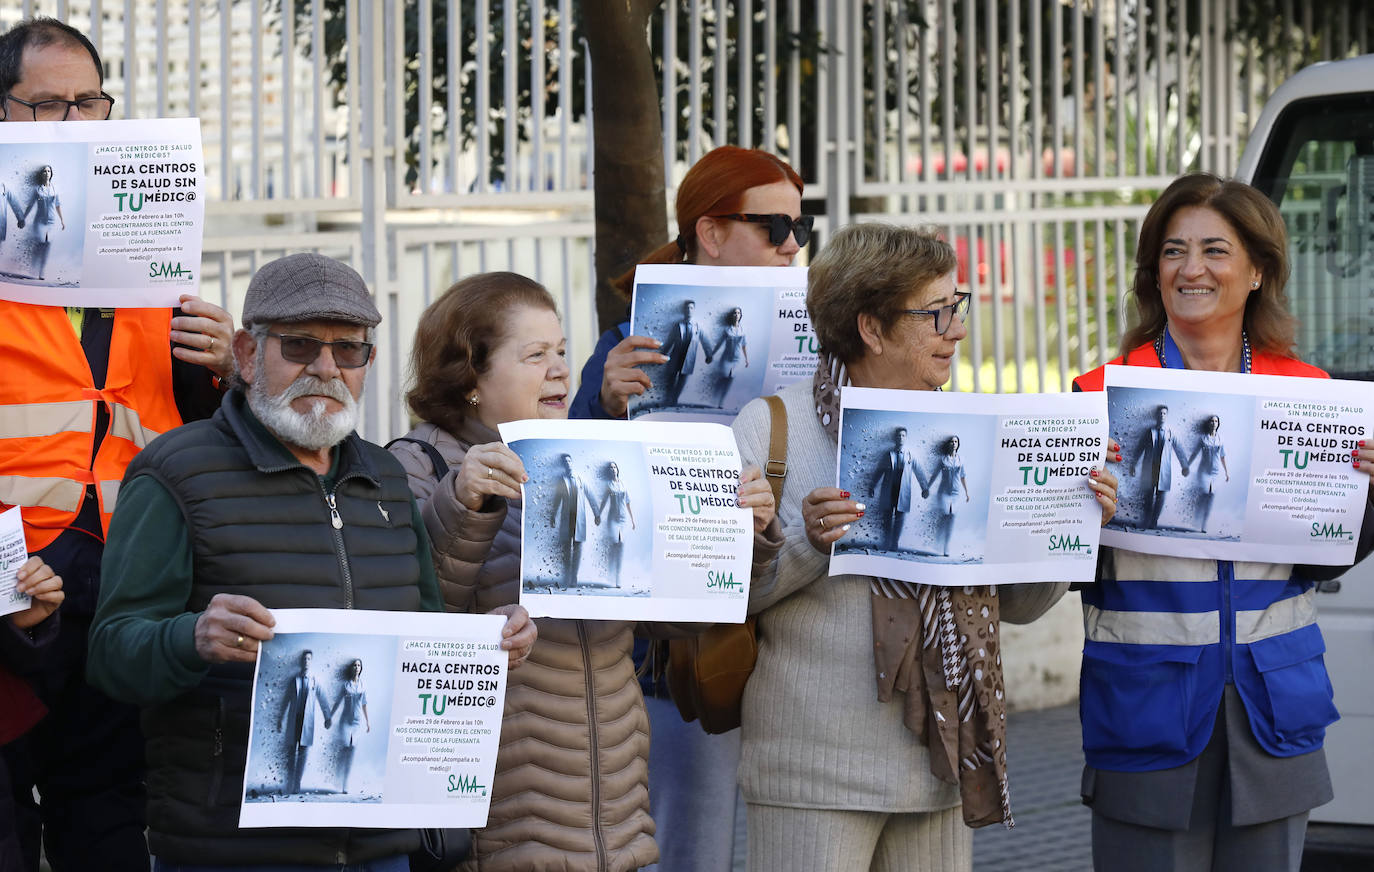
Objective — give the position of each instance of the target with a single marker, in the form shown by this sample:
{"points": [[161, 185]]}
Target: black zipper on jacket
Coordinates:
{"points": [[336, 528], [597, 838]]}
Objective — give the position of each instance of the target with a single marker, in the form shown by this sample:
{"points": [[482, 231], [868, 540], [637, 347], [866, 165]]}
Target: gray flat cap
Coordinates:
{"points": [[308, 287]]}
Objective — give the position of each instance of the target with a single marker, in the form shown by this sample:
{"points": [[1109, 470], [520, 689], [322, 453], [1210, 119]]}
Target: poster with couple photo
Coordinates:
{"points": [[730, 333], [101, 213], [962, 489], [375, 719], [632, 520], [1229, 466]]}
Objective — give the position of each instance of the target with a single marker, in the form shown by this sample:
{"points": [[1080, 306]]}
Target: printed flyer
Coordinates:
{"points": [[1230, 466], [14, 553], [375, 719], [101, 213], [730, 333], [964, 489], [632, 521]]}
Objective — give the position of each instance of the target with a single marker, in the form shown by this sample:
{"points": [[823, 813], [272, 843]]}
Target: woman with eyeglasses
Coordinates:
{"points": [[839, 777], [46, 206], [735, 207]]}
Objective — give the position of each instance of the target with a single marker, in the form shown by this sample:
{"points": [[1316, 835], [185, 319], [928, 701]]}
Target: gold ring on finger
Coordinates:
{"points": [[820, 522], [211, 346], [238, 643], [491, 473]]}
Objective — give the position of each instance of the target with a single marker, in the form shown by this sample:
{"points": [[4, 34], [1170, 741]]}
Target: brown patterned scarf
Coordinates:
{"points": [[950, 673]]}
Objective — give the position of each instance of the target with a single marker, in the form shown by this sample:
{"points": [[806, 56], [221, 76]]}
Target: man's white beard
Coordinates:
{"points": [[315, 429]]}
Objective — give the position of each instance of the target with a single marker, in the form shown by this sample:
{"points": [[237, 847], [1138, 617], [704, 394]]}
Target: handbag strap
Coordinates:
{"points": [[435, 458], [775, 470]]}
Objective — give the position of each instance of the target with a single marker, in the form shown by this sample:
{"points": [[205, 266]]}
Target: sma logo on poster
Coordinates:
{"points": [[1330, 531], [1067, 544]]}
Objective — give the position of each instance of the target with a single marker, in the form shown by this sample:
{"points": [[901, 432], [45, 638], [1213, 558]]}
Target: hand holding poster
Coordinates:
{"points": [[375, 719], [101, 213], [964, 489], [1238, 467], [730, 333], [632, 521], [14, 553]]}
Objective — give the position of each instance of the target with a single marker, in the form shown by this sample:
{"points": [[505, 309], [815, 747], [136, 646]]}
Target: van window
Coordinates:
{"points": [[1318, 167]]}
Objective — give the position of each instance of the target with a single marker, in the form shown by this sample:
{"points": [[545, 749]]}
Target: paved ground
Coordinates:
{"points": [[1053, 827]]}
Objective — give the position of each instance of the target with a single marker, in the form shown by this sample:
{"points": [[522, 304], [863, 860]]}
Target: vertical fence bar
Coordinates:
{"points": [[744, 23], [720, 94], [160, 27], [482, 105], [424, 87], [317, 78], [794, 98], [694, 122], [192, 59], [288, 99], [226, 118], [510, 79], [537, 75], [453, 82], [970, 59], [770, 76], [878, 41], [1076, 84]]}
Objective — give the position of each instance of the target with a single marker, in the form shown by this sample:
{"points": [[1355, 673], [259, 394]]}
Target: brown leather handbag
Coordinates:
{"points": [[707, 672]]}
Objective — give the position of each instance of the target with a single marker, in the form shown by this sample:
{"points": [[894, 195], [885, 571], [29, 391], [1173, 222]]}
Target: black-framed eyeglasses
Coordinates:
{"points": [[348, 353], [944, 316], [89, 108], [779, 225]]}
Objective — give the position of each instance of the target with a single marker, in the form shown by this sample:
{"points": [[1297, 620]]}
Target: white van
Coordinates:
{"points": [[1312, 152]]}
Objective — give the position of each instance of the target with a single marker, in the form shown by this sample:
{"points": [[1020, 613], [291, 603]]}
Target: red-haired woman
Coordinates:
{"points": [[692, 783]]}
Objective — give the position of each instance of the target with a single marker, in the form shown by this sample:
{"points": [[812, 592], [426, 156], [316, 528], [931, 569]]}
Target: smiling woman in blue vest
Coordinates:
{"points": [[1204, 697]]}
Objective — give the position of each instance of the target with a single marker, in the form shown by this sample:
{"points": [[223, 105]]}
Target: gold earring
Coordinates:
{"points": [[473, 400], [1254, 286]]}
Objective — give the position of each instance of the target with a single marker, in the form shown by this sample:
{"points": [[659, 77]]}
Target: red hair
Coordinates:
{"points": [[714, 185]]}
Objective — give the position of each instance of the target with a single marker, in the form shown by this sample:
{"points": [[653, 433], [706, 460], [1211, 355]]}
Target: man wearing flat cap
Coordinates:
{"points": [[275, 502]]}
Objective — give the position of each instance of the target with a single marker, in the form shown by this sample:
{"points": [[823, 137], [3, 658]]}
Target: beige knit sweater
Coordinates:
{"points": [[814, 733]]}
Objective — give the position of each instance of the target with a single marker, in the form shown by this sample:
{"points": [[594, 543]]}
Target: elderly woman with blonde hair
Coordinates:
{"points": [[892, 782]]}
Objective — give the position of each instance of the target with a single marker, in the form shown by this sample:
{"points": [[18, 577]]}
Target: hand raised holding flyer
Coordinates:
{"points": [[1238, 467], [103, 215], [729, 334], [969, 488], [375, 719], [635, 521]]}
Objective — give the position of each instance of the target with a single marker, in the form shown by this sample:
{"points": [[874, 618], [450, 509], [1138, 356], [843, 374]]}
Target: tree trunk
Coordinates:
{"points": [[628, 144]]}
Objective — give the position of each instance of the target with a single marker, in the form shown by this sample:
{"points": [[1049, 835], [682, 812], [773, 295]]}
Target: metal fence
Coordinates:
{"points": [[423, 140]]}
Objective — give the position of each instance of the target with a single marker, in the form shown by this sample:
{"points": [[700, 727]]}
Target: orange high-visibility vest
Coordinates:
{"points": [[48, 410]]}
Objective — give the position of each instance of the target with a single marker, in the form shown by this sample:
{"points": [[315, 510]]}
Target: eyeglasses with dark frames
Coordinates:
{"points": [[779, 225], [89, 108], [348, 353], [944, 316]]}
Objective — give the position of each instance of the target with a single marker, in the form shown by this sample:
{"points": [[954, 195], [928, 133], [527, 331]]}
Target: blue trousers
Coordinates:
{"points": [[693, 788]]}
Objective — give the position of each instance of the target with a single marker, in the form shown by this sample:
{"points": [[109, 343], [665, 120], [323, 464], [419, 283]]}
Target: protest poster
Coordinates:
{"points": [[1230, 466], [101, 213], [731, 333], [375, 719], [14, 553], [632, 520], [964, 489]]}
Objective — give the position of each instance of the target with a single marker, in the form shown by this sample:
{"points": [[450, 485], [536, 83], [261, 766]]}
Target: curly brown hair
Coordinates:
{"points": [[1268, 323], [456, 336], [870, 269]]}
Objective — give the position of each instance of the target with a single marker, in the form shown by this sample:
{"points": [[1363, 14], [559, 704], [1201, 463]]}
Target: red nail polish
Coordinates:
{"points": [[861, 514], [1093, 473], [1118, 457], [1357, 464], [1360, 443], [844, 495]]}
